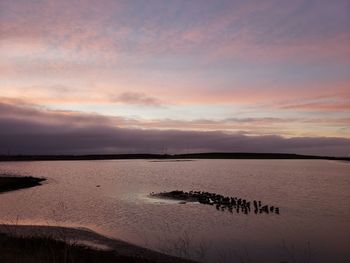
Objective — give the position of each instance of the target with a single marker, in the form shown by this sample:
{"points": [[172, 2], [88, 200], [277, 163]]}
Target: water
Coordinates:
{"points": [[313, 196]]}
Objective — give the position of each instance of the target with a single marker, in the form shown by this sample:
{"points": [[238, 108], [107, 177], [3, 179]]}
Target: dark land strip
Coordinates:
{"points": [[214, 155]]}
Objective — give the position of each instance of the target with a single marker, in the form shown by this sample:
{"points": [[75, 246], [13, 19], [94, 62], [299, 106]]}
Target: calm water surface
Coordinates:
{"points": [[313, 196]]}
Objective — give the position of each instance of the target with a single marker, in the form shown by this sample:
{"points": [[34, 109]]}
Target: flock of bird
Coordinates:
{"points": [[222, 203]]}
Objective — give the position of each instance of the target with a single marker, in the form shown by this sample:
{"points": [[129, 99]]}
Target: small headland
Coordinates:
{"points": [[11, 183], [221, 203]]}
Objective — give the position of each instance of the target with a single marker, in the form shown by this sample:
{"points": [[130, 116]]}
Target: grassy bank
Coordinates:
{"points": [[40, 249], [29, 243], [10, 183]]}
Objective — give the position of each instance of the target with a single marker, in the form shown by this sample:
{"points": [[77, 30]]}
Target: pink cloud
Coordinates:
{"points": [[335, 106]]}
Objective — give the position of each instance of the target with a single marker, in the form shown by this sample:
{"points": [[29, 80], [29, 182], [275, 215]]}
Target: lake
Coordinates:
{"points": [[313, 196]]}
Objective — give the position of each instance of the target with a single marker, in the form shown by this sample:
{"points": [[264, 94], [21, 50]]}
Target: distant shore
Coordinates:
{"points": [[215, 155]]}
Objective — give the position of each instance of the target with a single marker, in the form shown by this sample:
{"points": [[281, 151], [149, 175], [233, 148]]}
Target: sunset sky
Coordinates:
{"points": [[105, 76]]}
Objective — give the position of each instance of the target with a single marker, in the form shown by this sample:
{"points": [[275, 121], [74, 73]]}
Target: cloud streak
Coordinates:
{"points": [[138, 99]]}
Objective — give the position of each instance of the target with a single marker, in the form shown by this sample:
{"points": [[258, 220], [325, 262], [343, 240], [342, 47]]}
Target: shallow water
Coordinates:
{"points": [[313, 196]]}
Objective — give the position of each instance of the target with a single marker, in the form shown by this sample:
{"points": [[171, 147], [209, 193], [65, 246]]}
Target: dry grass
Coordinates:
{"points": [[42, 249]]}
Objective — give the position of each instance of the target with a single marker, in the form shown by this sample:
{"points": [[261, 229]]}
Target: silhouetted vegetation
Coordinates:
{"points": [[221, 203], [9, 183]]}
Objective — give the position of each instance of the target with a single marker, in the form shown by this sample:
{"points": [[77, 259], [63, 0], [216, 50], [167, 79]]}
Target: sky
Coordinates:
{"points": [[169, 76]]}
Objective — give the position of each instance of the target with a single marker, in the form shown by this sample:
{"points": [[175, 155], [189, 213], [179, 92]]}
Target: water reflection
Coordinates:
{"points": [[313, 196]]}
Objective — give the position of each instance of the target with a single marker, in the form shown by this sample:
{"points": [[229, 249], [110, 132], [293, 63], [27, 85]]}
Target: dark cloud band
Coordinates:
{"points": [[31, 130]]}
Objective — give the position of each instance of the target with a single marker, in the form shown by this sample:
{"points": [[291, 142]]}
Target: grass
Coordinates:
{"points": [[43, 249], [10, 183]]}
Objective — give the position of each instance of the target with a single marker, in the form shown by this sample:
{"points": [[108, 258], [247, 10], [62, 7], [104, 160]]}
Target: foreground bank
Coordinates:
{"points": [[28, 243]]}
